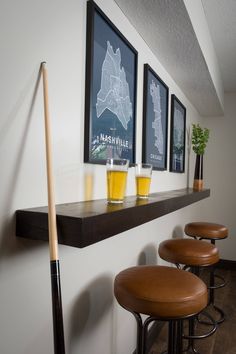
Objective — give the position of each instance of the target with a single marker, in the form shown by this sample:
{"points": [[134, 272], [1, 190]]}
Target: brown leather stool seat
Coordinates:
{"points": [[189, 252], [206, 230], [193, 254], [162, 293]]}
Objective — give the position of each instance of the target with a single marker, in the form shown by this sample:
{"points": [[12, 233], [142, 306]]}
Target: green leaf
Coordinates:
{"points": [[200, 137]]}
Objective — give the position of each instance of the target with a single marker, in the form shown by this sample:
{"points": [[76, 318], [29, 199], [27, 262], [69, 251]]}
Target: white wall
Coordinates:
{"points": [[54, 31], [220, 174]]}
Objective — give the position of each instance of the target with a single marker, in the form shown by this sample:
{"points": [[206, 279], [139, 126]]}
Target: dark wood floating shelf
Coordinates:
{"points": [[85, 223]]}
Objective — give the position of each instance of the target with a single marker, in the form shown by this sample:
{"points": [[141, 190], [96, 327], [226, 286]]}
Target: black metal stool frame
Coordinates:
{"points": [[212, 287], [175, 332], [196, 270]]}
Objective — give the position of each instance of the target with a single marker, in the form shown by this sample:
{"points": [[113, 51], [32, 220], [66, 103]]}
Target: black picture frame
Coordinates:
{"points": [[177, 135], [110, 91], [155, 120]]}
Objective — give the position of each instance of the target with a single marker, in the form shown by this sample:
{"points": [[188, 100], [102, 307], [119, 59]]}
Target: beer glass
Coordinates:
{"points": [[143, 173], [117, 170]]}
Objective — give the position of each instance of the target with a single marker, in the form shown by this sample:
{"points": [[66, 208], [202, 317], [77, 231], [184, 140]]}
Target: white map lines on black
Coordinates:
{"points": [[179, 127], [157, 123], [114, 92]]}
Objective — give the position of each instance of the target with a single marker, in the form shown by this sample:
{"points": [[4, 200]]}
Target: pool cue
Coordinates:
{"points": [[58, 330]]}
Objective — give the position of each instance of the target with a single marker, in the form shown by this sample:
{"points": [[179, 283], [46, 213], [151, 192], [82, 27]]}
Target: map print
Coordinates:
{"points": [[178, 129], [114, 92], [157, 124]]}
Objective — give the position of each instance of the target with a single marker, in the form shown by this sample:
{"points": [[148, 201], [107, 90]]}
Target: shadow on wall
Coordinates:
{"points": [[148, 255], [8, 244], [178, 232], [12, 246], [89, 309]]}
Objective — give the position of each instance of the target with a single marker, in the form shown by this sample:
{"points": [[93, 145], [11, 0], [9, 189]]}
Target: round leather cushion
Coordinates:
{"points": [[160, 291], [206, 230], [188, 251]]}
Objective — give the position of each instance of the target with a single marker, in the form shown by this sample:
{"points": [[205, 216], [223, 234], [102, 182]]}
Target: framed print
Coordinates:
{"points": [[110, 92], [155, 120], [177, 135]]}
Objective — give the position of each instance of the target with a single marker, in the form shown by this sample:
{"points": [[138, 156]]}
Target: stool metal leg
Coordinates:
{"points": [[179, 335], [142, 331], [172, 337], [191, 321], [139, 348], [191, 335], [175, 335], [145, 332], [212, 287]]}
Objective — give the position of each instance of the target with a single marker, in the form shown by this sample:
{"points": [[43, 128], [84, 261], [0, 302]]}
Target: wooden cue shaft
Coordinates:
{"points": [[58, 328], [53, 241]]}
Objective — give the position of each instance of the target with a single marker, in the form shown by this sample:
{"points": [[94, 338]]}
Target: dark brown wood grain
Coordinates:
{"points": [[85, 223]]}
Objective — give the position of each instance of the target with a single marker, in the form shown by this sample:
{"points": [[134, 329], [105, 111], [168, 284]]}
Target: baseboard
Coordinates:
{"points": [[226, 264], [153, 334]]}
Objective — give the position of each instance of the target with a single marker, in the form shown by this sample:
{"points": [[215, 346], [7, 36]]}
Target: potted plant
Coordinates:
{"points": [[200, 138]]}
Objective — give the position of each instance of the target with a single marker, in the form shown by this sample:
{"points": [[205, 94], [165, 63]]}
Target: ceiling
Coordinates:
{"points": [[221, 19], [166, 27]]}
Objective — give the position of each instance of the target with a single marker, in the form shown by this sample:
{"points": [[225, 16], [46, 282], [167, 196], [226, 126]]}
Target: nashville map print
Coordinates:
{"points": [[114, 92]]}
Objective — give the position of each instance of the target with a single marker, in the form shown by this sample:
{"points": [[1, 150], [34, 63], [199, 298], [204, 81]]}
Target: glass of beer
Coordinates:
{"points": [[143, 173], [117, 170]]}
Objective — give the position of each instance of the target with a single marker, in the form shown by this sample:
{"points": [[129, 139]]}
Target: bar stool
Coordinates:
{"points": [[191, 254], [162, 293], [211, 232]]}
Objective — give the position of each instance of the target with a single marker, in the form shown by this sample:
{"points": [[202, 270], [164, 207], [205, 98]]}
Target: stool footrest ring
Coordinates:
{"points": [[220, 320], [221, 285], [211, 322]]}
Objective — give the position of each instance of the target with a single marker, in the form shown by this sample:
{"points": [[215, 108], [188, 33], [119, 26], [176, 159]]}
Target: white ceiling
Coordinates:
{"points": [[221, 19], [167, 29]]}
